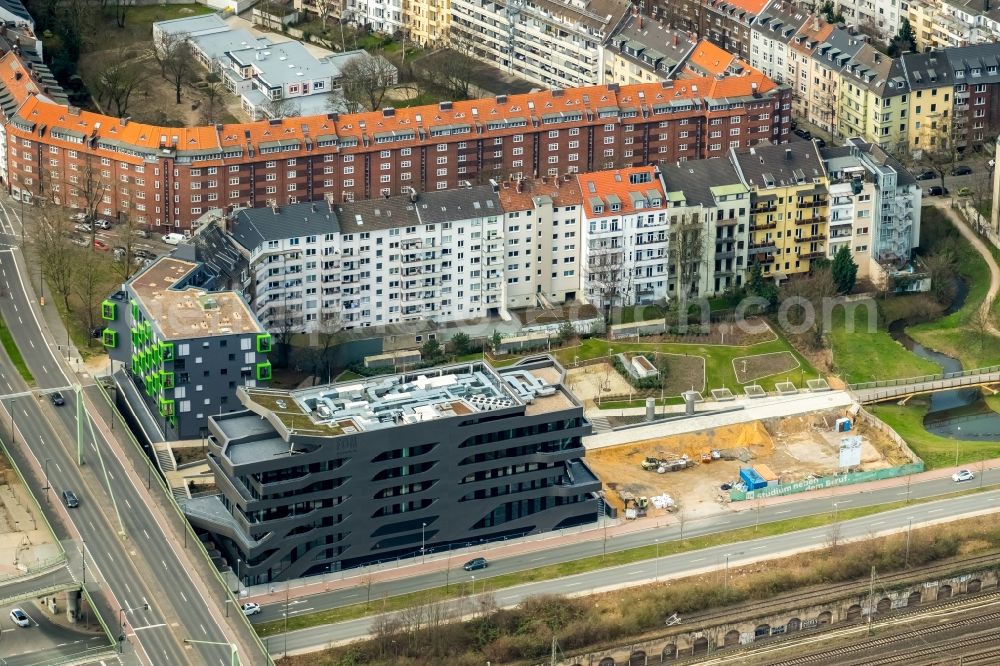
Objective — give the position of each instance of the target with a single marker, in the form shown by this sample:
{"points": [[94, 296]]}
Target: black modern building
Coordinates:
{"points": [[336, 476]]}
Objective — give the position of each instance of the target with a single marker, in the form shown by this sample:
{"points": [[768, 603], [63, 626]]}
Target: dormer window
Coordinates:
{"points": [[598, 209], [615, 207]]}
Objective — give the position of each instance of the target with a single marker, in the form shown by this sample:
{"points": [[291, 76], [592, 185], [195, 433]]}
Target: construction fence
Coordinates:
{"points": [[781, 489]]}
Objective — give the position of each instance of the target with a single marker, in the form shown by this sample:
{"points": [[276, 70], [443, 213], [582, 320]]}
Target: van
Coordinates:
{"points": [[174, 239]]}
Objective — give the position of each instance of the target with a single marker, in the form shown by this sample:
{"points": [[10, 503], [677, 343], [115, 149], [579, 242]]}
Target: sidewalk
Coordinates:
{"points": [[275, 593]]}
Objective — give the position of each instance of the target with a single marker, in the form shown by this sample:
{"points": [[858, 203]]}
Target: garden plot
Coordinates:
{"points": [[752, 368]]}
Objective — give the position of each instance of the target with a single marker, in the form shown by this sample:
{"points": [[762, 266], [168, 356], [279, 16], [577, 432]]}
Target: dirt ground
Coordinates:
{"points": [[586, 382], [794, 448], [752, 368]]}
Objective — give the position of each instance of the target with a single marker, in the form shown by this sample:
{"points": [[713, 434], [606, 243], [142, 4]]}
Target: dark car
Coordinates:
{"points": [[929, 174], [805, 134], [937, 191], [478, 563], [820, 143], [57, 398], [143, 253], [961, 170], [70, 499]]}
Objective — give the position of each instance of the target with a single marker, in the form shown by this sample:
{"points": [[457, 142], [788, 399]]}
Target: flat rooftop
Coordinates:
{"points": [[388, 401], [189, 312]]}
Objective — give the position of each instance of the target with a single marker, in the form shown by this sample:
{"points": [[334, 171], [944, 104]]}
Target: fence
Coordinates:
{"points": [[907, 381], [783, 489]]}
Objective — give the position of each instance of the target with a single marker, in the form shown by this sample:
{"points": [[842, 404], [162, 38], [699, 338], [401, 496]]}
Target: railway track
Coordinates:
{"points": [[840, 590], [935, 651]]}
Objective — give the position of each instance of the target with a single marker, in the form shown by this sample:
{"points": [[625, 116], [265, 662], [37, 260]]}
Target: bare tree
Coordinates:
{"points": [[607, 275], [324, 9], [283, 322], [91, 281], [809, 293], [686, 252], [176, 59], [50, 239], [453, 70], [113, 85], [214, 99], [90, 189], [283, 108], [121, 11], [942, 154], [366, 80]]}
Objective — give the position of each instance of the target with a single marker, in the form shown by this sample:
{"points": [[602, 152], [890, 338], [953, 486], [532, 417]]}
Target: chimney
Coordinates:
{"points": [[313, 207], [640, 21], [675, 39], [788, 153], [816, 23]]}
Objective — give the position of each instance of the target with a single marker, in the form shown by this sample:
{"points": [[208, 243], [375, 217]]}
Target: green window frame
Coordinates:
{"points": [[264, 342], [264, 371], [166, 351], [109, 310], [109, 338]]}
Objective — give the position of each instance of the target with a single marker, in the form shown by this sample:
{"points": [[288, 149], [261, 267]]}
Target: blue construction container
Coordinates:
{"points": [[751, 479]]}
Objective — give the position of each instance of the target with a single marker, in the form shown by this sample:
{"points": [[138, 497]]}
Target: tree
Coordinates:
{"points": [[327, 333], [90, 190], [496, 340], [128, 236], [283, 322], [904, 40], [452, 70], [283, 108], [365, 81], [120, 76], [566, 332], [461, 344], [431, 350], [830, 14], [759, 286], [214, 98], [982, 323], [121, 11], [608, 278], [807, 295], [324, 9], [686, 250], [50, 238], [941, 154], [176, 59], [91, 278], [941, 270], [844, 270]]}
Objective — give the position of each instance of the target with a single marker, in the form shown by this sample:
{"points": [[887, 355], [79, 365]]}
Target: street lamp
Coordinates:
{"points": [[958, 438], [725, 584], [906, 560], [657, 561], [46, 488], [423, 535], [239, 581], [121, 624]]}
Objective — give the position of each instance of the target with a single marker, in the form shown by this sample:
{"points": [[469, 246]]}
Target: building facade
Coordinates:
{"points": [[788, 223], [942, 23], [644, 51], [336, 476], [168, 177], [186, 347], [427, 23], [435, 256], [554, 44]]}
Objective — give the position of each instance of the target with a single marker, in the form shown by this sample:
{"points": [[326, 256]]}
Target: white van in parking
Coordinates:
{"points": [[174, 239]]}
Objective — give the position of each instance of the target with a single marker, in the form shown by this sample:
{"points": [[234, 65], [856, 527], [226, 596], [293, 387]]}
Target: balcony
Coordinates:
{"points": [[816, 254], [764, 226], [810, 239], [819, 219], [762, 248], [768, 208]]}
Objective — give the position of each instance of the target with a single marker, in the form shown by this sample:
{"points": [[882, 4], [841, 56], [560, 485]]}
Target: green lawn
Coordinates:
{"points": [[573, 567], [14, 353], [855, 352], [139, 22], [718, 359], [935, 451]]}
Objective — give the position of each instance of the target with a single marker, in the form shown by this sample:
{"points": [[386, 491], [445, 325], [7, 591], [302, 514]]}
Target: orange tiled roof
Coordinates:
{"points": [[808, 34], [711, 59], [16, 78], [512, 109], [754, 7], [616, 182], [563, 190]]}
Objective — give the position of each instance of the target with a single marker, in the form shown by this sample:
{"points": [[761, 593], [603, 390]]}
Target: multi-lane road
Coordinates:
{"points": [[673, 566], [135, 568]]}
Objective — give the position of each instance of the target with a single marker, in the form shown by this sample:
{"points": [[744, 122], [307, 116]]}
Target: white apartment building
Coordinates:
{"points": [[878, 17], [552, 43], [874, 206], [771, 37], [384, 16], [624, 260], [543, 240], [436, 256], [944, 23]]}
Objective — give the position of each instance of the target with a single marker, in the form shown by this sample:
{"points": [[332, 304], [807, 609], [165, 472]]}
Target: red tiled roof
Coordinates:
{"points": [[616, 182], [563, 190]]}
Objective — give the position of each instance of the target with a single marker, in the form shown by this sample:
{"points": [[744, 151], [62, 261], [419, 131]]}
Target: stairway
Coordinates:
{"points": [[600, 424]]}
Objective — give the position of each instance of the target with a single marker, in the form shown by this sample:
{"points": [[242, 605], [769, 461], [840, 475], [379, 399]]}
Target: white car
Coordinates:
{"points": [[174, 239], [250, 608], [20, 618], [78, 217], [84, 227], [962, 475], [102, 224]]}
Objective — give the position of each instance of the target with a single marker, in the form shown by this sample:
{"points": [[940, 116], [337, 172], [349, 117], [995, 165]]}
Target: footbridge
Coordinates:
{"points": [[904, 389]]}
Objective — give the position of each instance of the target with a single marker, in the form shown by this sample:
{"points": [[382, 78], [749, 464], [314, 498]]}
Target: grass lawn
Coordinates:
{"points": [[718, 359], [573, 567], [854, 352], [139, 22], [935, 451], [14, 353], [347, 375]]}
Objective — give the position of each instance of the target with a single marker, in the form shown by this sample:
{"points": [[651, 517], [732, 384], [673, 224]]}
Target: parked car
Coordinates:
{"points": [[820, 143], [100, 245], [143, 253], [475, 564], [70, 499], [929, 174], [20, 618], [937, 191], [102, 224], [142, 233], [805, 134], [965, 192], [174, 239], [57, 398], [961, 170], [250, 608], [78, 217], [83, 227], [963, 475], [82, 242]]}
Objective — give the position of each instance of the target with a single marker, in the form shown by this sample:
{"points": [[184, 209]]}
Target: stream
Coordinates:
{"points": [[958, 414]]}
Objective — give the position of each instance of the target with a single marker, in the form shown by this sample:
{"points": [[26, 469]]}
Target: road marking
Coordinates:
{"points": [[935, 510], [572, 584], [878, 523], [184, 598], [300, 610], [536, 559], [59, 468], [700, 559], [203, 630], [149, 626], [146, 533], [637, 571], [127, 504], [109, 556], [785, 511], [348, 596], [20, 321], [164, 565], [758, 547], [128, 588], [31, 342], [111, 475]]}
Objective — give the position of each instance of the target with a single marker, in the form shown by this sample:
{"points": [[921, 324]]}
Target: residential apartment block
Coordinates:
{"points": [[554, 44], [168, 177], [881, 18], [726, 23], [942, 23], [427, 22], [385, 16], [874, 208], [790, 194], [644, 51], [336, 476], [186, 346], [436, 256]]}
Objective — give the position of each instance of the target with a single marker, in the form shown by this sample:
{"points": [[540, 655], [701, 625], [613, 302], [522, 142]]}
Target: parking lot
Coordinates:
{"points": [[49, 639]]}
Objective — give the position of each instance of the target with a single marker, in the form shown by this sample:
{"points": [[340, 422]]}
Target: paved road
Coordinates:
{"points": [[684, 564], [46, 641], [130, 560]]}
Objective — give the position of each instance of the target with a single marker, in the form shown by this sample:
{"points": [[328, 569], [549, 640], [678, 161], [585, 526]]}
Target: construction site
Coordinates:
{"points": [[693, 472]]}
